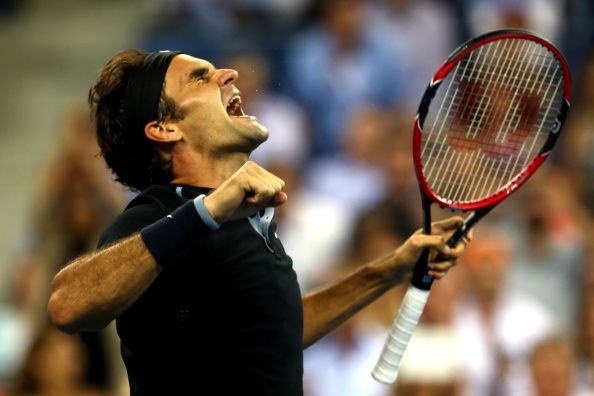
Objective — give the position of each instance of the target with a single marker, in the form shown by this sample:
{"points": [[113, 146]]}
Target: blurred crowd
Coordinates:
{"points": [[337, 83]]}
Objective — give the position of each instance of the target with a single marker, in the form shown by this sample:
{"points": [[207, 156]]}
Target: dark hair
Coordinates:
{"points": [[133, 158]]}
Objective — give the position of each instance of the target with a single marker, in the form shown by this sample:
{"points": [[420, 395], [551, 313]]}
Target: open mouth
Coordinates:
{"points": [[234, 107]]}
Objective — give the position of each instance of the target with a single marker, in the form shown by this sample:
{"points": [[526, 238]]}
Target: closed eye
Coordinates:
{"points": [[199, 74]]}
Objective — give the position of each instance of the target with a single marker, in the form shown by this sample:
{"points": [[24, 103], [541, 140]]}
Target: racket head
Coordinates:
{"points": [[489, 118]]}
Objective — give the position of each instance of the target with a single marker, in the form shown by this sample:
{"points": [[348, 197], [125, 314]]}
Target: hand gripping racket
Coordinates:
{"points": [[489, 118]]}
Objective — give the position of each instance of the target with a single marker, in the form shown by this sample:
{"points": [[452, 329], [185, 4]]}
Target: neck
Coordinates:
{"points": [[203, 170]]}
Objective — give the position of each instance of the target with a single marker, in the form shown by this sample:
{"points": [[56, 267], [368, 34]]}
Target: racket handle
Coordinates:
{"points": [[386, 368]]}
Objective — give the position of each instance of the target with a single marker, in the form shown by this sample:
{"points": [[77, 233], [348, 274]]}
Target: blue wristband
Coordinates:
{"points": [[204, 214], [168, 237]]}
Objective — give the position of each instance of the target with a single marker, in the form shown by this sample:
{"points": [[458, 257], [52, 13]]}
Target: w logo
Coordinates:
{"points": [[496, 120]]}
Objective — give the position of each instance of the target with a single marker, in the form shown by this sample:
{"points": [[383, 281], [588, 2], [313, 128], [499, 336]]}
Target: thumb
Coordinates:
{"points": [[278, 199]]}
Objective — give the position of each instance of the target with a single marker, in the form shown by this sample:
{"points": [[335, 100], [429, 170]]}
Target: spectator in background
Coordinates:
{"points": [[379, 228], [21, 312], [338, 65], [55, 365], [395, 162], [576, 147], [543, 16], [432, 365], [422, 31], [78, 192], [214, 15], [499, 326], [585, 344], [578, 34], [216, 29], [79, 198], [549, 247], [553, 369], [224, 15], [353, 174], [340, 364]]}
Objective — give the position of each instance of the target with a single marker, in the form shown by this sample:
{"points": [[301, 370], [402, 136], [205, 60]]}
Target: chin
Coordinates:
{"points": [[256, 137], [252, 130], [263, 133]]}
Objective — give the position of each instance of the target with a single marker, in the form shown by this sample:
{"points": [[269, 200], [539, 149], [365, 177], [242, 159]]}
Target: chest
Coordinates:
{"points": [[234, 274]]}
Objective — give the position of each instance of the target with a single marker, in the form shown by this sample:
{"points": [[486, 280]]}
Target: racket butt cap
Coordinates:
{"points": [[382, 377]]}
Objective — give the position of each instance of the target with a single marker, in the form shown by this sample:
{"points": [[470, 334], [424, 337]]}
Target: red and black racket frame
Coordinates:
{"points": [[421, 279]]}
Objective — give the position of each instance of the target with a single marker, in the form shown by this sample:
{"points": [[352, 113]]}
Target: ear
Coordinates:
{"points": [[162, 132]]}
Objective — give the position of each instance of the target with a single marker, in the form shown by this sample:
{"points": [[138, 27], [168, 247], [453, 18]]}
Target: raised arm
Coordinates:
{"points": [[326, 308], [96, 288]]}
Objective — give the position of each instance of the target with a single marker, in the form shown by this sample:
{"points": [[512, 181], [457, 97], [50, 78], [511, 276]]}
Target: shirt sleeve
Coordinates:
{"points": [[130, 221]]}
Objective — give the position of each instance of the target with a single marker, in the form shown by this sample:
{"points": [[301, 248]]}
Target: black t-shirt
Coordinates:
{"points": [[226, 315]]}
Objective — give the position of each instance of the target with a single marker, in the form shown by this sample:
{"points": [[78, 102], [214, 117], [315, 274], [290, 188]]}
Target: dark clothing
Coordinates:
{"points": [[226, 315]]}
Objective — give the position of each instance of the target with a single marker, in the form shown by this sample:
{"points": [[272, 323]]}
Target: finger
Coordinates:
{"points": [[447, 225], [273, 178], [420, 231], [469, 236], [259, 192], [279, 199], [437, 242], [267, 176], [441, 266], [436, 274], [265, 195], [461, 246], [264, 176], [458, 249]]}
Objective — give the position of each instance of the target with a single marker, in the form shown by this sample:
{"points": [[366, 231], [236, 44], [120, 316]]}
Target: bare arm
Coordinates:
{"points": [[96, 288], [325, 309]]}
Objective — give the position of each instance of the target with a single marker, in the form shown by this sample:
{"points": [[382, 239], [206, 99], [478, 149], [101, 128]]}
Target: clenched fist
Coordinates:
{"points": [[249, 190]]}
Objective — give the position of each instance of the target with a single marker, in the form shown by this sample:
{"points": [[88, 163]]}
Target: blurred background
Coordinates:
{"points": [[337, 83]]}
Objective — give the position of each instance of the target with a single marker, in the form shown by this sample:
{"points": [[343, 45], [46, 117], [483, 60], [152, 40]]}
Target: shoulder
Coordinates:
{"points": [[143, 210], [131, 221]]}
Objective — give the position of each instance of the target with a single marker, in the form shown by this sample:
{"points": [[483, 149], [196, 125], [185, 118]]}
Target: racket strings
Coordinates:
{"points": [[493, 118]]}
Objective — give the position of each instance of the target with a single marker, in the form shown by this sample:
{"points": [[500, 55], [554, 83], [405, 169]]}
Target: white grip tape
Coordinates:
{"points": [[386, 368]]}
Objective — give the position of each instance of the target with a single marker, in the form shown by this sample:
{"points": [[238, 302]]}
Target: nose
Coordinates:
{"points": [[226, 77]]}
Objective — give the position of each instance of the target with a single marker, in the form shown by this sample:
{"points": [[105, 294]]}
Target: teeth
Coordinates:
{"points": [[234, 106]]}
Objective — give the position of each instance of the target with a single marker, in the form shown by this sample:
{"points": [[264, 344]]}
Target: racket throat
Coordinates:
{"points": [[470, 222], [421, 279]]}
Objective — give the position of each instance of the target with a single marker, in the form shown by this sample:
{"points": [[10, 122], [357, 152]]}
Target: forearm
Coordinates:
{"points": [[96, 288], [325, 309]]}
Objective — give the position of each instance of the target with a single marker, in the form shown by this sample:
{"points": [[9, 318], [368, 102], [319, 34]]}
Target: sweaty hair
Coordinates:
{"points": [[133, 158]]}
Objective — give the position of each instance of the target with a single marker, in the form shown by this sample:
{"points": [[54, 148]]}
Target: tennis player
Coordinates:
{"points": [[202, 291]]}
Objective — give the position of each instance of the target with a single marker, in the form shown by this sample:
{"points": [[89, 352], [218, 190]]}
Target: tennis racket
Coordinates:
{"points": [[488, 119]]}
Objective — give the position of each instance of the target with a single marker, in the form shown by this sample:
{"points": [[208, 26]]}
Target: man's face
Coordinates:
{"points": [[214, 119]]}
